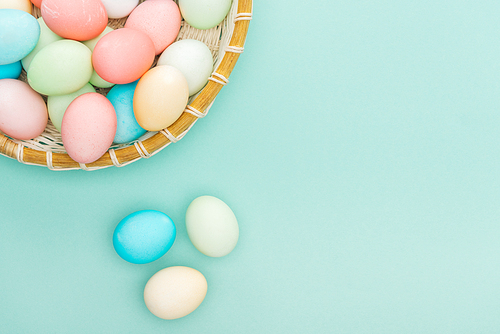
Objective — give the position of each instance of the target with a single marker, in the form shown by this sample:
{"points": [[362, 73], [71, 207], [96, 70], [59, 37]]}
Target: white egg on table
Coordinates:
{"points": [[212, 226], [175, 292]]}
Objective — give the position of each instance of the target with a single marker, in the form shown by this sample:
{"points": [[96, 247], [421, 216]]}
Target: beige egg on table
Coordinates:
{"points": [[175, 292]]}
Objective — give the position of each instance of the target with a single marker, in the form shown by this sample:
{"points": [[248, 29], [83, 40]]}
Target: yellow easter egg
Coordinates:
{"points": [[24, 5], [160, 97]]}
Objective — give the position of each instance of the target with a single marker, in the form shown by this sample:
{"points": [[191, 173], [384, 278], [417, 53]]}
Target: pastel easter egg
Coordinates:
{"points": [[47, 36], [122, 97], [123, 56], [10, 71], [117, 9], [88, 127], [19, 33], [159, 19], [37, 3], [95, 79], [144, 236], [160, 97], [57, 104], [212, 226], [175, 292], [60, 68], [91, 43], [23, 113], [24, 5], [193, 58], [80, 20], [204, 14]]}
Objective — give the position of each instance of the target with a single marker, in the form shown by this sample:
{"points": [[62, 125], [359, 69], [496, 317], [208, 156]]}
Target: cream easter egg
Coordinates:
{"points": [[24, 5], [160, 97], [88, 127], [175, 292]]}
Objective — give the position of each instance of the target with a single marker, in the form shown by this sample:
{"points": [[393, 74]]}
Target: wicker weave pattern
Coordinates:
{"points": [[226, 42]]}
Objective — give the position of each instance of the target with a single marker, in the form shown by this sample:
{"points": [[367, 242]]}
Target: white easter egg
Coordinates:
{"points": [[212, 226], [117, 9], [193, 58]]}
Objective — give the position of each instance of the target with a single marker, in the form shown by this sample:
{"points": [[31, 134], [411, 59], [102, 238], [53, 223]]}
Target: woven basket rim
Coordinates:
{"points": [[154, 142]]}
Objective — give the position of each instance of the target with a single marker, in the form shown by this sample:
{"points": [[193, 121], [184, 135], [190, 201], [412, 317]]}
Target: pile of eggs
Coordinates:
{"points": [[70, 51], [145, 236]]}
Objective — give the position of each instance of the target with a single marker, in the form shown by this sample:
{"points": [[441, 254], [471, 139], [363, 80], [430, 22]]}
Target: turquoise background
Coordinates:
{"points": [[358, 145]]}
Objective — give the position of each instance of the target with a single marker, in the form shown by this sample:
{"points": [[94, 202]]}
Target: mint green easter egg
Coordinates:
{"points": [[57, 104], [91, 43], [204, 14], [97, 81], [60, 68], [46, 37]]}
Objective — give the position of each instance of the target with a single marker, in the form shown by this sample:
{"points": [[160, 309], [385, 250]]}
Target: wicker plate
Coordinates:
{"points": [[226, 42]]}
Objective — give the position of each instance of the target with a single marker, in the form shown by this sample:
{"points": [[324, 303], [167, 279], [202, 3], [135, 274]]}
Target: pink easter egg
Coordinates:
{"points": [[123, 56], [80, 20], [23, 113], [159, 19], [37, 3], [88, 127]]}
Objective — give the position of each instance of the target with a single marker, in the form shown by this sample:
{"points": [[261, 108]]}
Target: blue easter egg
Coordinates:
{"points": [[10, 71], [19, 34], [144, 236], [122, 97]]}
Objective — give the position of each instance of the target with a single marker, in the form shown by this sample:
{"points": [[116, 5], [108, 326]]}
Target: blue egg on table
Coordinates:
{"points": [[19, 34], [144, 236], [122, 97], [10, 71]]}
